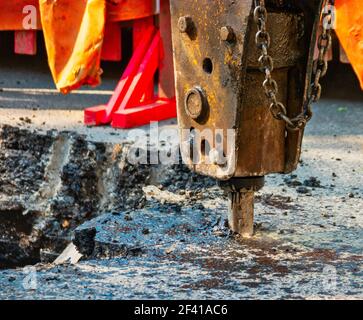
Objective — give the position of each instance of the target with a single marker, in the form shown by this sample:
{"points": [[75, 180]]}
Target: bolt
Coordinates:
{"points": [[185, 24], [195, 103], [227, 34]]}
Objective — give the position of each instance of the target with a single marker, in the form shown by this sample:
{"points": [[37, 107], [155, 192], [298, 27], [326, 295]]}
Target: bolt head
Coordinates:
{"points": [[227, 34], [195, 103], [185, 24]]}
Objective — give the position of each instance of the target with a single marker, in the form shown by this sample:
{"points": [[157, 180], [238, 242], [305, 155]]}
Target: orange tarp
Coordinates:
{"points": [[349, 28], [73, 33]]}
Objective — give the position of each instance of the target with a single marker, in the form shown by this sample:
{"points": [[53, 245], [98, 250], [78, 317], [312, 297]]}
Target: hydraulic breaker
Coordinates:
{"points": [[245, 81]]}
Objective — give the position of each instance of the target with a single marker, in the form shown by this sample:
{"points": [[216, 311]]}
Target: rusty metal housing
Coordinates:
{"points": [[219, 83]]}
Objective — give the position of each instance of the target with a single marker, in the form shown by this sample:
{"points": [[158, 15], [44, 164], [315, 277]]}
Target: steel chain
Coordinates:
{"points": [[270, 86]]}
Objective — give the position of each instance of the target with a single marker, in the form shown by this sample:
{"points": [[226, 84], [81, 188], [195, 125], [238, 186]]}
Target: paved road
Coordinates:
{"points": [[309, 242]]}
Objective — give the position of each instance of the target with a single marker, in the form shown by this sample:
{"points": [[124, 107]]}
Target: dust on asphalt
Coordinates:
{"points": [[161, 232]]}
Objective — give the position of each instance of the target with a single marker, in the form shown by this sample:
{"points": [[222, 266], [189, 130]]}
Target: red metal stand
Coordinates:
{"points": [[25, 42], [134, 102], [137, 99]]}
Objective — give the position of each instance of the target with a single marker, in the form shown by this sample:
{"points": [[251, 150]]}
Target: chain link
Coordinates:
{"points": [[270, 86]]}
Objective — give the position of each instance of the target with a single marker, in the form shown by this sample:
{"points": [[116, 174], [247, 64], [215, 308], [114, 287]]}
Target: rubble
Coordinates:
{"points": [[63, 179]]}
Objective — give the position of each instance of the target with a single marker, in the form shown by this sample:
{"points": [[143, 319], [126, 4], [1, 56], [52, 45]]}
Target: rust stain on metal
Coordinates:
{"points": [[228, 72]]}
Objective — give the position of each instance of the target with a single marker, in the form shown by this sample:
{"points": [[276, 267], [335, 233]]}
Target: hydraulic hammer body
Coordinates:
{"points": [[226, 126]]}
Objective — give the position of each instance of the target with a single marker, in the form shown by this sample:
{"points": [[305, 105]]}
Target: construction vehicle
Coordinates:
{"points": [[245, 82]]}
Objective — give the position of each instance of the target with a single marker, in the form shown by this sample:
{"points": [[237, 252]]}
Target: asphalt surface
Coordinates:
{"points": [[309, 241]]}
